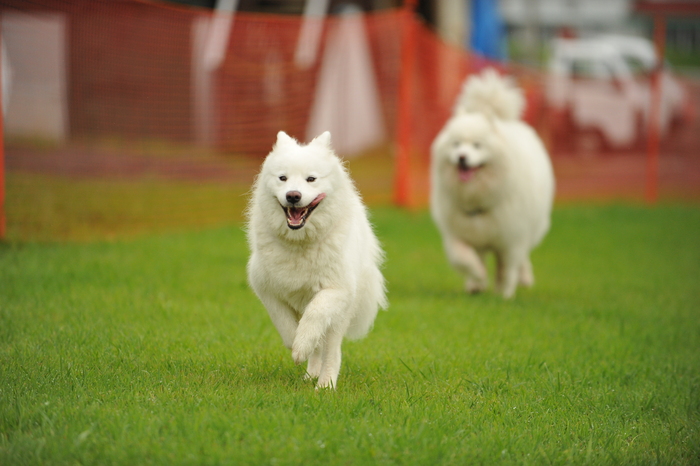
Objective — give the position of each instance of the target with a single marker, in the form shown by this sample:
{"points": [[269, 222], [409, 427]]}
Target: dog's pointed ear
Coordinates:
{"points": [[283, 139], [324, 139]]}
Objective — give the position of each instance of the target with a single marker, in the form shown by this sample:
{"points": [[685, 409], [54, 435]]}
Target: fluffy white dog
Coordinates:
{"points": [[492, 185], [315, 259]]}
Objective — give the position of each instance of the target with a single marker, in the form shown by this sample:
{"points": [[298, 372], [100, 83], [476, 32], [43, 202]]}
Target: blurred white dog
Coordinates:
{"points": [[315, 259], [492, 185]]}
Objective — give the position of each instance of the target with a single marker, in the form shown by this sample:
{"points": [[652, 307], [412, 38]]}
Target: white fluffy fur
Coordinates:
{"points": [[491, 94], [321, 282], [505, 205]]}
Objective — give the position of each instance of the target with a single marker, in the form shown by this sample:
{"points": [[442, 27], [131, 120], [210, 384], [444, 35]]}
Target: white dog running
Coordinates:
{"points": [[314, 260], [492, 185]]}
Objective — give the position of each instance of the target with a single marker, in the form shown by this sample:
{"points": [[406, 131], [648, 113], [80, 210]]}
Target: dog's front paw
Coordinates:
{"points": [[302, 348], [325, 383], [475, 285], [306, 340]]}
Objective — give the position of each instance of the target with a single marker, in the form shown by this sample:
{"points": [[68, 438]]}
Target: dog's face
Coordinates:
{"points": [[466, 150], [298, 178], [465, 146], [470, 162]]}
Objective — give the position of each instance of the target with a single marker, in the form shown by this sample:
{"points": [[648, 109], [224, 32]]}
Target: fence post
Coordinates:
{"points": [[654, 137], [402, 175], [2, 150]]}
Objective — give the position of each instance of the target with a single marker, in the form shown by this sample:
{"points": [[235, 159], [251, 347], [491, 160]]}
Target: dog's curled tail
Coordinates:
{"points": [[491, 94]]}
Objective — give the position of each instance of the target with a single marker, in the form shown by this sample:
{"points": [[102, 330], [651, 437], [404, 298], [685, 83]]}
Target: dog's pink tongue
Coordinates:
{"points": [[317, 200], [465, 175], [295, 215]]}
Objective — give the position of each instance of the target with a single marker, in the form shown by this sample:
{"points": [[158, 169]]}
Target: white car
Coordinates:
{"points": [[600, 86]]}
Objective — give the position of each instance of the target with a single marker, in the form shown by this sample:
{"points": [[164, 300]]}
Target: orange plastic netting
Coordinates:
{"points": [[134, 69]]}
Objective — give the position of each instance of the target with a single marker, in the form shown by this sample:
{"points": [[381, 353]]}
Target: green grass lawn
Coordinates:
{"points": [[155, 351]]}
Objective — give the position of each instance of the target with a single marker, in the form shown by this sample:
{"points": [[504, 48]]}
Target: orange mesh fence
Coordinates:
{"points": [[115, 122]]}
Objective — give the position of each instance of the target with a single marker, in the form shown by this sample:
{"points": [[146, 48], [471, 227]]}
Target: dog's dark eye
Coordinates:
{"points": [[283, 178], [311, 179]]}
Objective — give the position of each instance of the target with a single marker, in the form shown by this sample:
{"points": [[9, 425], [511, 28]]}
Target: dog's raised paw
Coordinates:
{"points": [[301, 350], [305, 342]]}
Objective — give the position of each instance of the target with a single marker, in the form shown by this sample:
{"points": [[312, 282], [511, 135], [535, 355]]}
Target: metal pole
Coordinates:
{"points": [[3, 222], [654, 141], [402, 176]]}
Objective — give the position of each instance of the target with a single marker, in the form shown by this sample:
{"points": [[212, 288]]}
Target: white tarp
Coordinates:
{"points": [[346, 100], [35, 46]]}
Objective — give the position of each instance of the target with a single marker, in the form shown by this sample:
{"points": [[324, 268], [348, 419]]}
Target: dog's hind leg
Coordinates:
{"points": [[509, 265], [330, 368], [526, 276], [468, 262]]}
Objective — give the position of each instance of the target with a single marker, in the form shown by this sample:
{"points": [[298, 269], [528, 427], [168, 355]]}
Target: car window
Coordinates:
{"points": [[581, 69], [589, 69], [637, 67]]}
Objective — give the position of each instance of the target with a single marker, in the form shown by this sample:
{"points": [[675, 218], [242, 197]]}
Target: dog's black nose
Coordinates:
{"points": [[293, 197], [463, 162]]}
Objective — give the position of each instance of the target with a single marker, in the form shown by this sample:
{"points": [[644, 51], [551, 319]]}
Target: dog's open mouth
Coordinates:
{"points": [[296, 216], [465, 171]]}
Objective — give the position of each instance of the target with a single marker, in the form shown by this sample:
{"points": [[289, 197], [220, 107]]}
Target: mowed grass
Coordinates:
{"points": [[155, 351]]}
